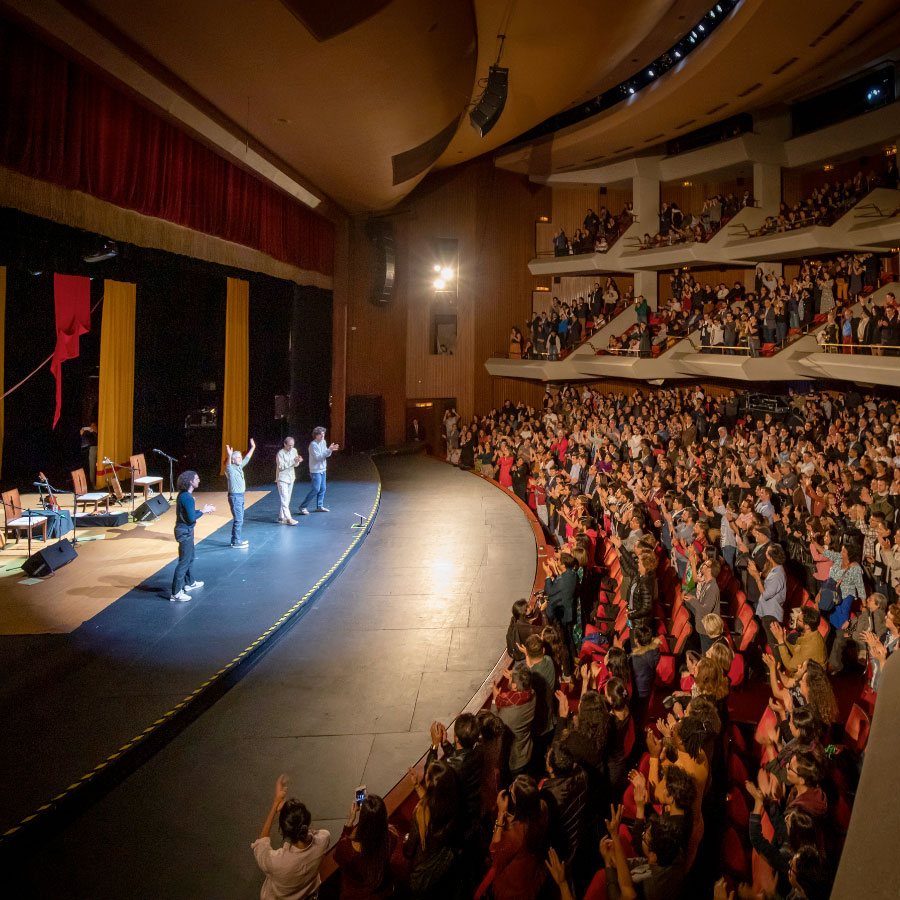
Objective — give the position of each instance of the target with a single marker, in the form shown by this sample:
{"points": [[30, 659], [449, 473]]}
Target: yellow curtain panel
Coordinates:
{"points": [[115, 424], [235, 406], [2, 355]]}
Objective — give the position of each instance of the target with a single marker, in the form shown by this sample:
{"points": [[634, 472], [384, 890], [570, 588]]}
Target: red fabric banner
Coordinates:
{"points": [[64, 124], [72, 295]]}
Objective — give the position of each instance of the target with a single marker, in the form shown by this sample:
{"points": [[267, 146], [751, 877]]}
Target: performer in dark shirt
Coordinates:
{"points": [[186, 515]]}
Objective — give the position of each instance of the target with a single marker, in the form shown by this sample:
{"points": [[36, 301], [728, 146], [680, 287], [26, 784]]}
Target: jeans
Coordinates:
{"points": [[316, 491], [729, 554], [236, 502], [184, 534]]}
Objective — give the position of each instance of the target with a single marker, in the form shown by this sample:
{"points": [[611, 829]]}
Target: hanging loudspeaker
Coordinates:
{"points": [[381, 233], [486, 112]]}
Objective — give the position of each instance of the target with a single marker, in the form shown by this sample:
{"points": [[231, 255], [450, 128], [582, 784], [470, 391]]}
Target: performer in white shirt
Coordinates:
{"points": [[318, 462], [286, 462]]}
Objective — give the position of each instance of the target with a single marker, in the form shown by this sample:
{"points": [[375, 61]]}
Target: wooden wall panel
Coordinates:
{"points": [[376, 337]]}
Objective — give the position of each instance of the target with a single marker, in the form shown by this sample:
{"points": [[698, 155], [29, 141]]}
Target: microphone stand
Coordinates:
{"points": [[172, 461]]}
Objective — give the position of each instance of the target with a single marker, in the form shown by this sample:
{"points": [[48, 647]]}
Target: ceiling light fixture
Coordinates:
{"points": [[439, 284], [651, 73], [677, 54]]}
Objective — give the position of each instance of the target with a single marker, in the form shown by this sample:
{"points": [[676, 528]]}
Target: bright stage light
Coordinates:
{"points": [[437, 268], [439, 284], [446, 273]]}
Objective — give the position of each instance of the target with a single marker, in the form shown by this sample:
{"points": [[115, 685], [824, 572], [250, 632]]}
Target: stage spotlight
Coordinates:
{"points": [[437, 267], [631, 90], [651, 73], [677, 54], [446, 274], [700, 26], [873, 94], [439, 284]]}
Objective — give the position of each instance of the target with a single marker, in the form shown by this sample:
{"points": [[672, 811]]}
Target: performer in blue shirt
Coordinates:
{"points": [[186, 515]]}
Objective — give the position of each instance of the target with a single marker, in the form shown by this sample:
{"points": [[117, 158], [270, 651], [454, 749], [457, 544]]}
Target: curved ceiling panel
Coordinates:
{"points": [[766, 54], [336, 110], [561, 54]]}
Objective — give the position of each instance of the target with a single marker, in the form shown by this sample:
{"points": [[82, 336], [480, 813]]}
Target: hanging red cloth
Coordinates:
{"points": [[72, 295]]}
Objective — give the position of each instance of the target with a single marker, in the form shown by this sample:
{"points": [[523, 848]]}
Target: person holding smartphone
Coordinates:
{"points": [[364, 849]]}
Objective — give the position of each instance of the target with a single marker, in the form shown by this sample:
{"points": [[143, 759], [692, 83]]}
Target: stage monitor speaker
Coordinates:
{"points": [[486, 112], [381, 234], [47, 560], [152, 508], [365, 422]]}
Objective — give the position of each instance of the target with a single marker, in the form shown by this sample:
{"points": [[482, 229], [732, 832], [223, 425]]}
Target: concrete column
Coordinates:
{"points": [[767, 185], [645, 196], [646, 284]]}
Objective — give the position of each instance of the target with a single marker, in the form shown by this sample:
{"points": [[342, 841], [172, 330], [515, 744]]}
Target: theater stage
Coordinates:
{"points": [[110, 561], [79, 706], [404, 635]]}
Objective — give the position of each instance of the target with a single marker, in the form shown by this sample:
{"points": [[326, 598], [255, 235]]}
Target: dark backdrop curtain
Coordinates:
{"points": [[63, 124]]}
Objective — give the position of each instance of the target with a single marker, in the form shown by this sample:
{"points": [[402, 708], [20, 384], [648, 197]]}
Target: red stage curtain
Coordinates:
{"points": [[72, 295], [63, 124]]}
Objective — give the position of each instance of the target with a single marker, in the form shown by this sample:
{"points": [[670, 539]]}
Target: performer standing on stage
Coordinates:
{"points": [[186, 515], [286, 462], [234, 472], [318, 462]]}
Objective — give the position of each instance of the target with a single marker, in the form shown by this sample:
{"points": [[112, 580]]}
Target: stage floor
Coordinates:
{"points": [[404, 635], [110, 561], [70, 701]]}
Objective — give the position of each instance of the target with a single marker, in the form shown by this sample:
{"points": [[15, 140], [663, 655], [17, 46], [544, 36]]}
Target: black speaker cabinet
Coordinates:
{"points": [[381, 234], [152, 508], [47, 560], [104, 520], [365, 422], [485, 114]]}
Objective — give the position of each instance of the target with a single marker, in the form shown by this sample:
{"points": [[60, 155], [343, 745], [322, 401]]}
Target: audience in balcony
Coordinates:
{"points": [[678, 227], [826, 204], [597, 233]]}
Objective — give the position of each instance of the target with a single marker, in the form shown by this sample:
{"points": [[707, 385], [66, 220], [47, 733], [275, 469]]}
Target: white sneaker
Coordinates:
{"points": [[194, 586], [180, 597], [303, 511], [323, 509], [280, 521], [241, 545], [291, 522]]}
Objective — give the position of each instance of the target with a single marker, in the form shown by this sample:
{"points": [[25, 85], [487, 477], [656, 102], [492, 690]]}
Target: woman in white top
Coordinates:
{"points": [[292, 871]]}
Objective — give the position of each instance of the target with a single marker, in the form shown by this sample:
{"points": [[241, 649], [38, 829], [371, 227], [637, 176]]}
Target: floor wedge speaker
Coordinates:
{"points": [[152, 508], [48, 559]]}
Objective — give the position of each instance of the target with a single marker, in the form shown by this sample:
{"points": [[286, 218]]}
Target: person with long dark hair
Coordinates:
{"points": [[186, 515], [292, 870], [364, 851], [519, 842], [432, 845]]}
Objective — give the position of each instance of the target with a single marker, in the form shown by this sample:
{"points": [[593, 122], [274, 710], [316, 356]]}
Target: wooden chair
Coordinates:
{"points": [[141, 478], [83, 496], [16, 522]]}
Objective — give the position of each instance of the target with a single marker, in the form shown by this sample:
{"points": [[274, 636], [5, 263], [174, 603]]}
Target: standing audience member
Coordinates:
{"points": [[292, 871]]}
